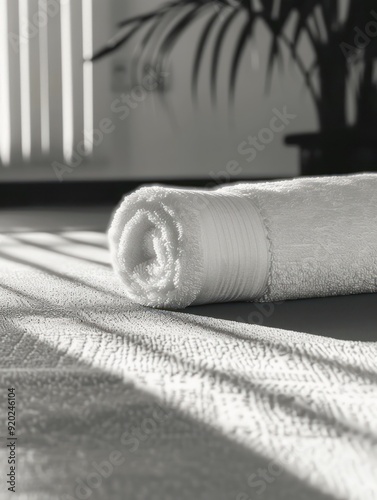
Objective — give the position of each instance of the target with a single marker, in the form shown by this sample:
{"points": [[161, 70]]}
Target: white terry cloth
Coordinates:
{"points": [[279, 240]]}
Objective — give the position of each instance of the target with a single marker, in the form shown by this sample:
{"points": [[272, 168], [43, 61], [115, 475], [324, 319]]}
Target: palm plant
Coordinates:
{"points": [[334, 28]]}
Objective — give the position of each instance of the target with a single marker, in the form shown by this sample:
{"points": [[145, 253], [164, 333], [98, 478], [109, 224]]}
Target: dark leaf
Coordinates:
{"points": [[243, 39], [217, 50], [160, 24], [115, 43], [200, 50], [177, 31]]}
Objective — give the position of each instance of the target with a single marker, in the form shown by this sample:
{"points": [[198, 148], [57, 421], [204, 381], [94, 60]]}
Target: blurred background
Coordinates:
{"points": [[47, 100], [64, 118]]}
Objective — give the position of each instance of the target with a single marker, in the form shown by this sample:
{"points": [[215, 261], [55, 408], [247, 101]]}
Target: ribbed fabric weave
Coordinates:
{"points": [[235, 249]]}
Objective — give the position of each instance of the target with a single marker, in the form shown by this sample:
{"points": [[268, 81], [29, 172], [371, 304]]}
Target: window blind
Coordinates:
{"points": [[46, 88]]}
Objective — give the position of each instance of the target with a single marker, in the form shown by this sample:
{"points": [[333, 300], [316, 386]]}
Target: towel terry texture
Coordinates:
{"points": [[306, 237]]}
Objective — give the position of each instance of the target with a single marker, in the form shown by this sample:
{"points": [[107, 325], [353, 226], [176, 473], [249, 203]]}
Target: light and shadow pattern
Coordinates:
{"points": [[118, 401]]}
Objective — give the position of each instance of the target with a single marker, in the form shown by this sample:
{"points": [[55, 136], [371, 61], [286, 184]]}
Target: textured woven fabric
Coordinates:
{"points": [[306, 237], [196, 408]]}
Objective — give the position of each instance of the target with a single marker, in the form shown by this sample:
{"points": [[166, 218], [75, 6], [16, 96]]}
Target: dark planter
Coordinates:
{"points": [[336, 152]]}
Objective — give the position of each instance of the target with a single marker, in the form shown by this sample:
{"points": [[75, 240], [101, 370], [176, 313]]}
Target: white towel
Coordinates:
{"points": [[270, 241]]}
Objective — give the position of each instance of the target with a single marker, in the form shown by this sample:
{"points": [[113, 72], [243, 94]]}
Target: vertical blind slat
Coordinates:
{"points": [[55, 84], [23, 6], [87, 42], [77, 71], [44, 77], [35, 83], [67, 79], [14, 82], [5, 125]]}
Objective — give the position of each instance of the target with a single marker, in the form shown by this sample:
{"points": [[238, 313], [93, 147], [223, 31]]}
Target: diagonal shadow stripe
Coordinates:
{"points": [[71, 417], [72, 239], [59, 251], [56, 274]]}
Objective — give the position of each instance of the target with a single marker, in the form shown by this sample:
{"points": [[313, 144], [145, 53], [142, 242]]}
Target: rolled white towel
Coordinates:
{"points": [[306, 237]]}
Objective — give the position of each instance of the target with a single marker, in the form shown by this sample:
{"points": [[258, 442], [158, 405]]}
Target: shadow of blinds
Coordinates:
{"points": [[46, 88]]}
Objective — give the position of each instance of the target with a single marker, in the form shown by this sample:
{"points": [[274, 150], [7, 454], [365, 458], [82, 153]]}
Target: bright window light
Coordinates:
{"points": [[87, 31], [5, 136], [67, 79], [25, 79], [44, 84]]}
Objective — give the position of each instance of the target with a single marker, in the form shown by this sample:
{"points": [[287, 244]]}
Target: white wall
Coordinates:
{"points": [[194, 143]]}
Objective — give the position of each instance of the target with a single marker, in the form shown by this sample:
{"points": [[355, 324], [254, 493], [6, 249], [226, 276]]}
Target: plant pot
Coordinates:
{"points": [[341, 151]]}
